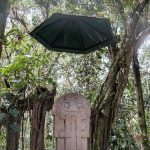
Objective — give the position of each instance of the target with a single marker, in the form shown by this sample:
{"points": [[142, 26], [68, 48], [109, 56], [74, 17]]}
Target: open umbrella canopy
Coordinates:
{"points": [[73, 34]]}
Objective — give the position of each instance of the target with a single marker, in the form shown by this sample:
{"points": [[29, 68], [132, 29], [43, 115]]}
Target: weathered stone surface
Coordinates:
{"points": [[71, 122]]}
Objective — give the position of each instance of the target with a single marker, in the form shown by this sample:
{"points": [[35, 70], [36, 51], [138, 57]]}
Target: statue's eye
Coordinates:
{"points": [[67, 105], [79, 105]]}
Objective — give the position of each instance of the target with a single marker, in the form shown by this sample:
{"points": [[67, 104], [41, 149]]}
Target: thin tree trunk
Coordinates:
{"points": [[37, 125], [139, 92], [13, 132], [40, 106], [105, 106], [140, 104], [3, 17]]}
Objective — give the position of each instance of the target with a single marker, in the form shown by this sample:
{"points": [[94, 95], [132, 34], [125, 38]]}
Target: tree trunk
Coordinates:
{"points": [[13, 132], [40, 106], [37, 125], [139, 92], [105, 106], [3, 16], [105, 109], [140, 104]]}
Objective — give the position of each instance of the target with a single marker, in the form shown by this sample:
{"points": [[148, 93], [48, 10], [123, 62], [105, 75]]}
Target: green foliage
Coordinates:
{"points": [[26, 65], [49, 137], [2, 116], [14, 112], [3, 139], [15, 127]]}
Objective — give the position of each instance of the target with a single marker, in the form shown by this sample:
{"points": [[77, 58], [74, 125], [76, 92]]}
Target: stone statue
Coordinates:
{"points": [[71, 122]]}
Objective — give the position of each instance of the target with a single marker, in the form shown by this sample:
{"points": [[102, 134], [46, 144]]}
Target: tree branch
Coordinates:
{"points": [[141, 39], [19, 19], [121, 10], [138, 10]]}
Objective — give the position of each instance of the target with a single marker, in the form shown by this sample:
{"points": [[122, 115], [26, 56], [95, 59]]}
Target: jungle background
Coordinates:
{"points": [[31, 77]]}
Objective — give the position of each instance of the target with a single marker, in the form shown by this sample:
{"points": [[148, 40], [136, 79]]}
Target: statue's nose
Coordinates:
{"points": [[73, 107]]}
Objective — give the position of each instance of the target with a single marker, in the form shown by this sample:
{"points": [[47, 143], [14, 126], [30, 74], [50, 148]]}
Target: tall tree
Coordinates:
{"points": [[3, 17], [104, 111]]}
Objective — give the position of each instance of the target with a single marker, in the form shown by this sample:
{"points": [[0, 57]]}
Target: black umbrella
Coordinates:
{"points": [[73, 34]]}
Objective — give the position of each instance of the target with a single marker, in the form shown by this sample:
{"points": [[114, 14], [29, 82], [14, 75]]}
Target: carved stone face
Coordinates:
{"points": [[72, 106]]}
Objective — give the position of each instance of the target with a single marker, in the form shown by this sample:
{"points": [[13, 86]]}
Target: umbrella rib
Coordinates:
{"points": [[59, 33], [97, 45], [44, 24], [95, 29], [81, 36], [53, 22]]}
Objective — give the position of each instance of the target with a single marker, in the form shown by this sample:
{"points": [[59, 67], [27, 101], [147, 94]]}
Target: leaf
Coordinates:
{"points": [[14, 112], [43, 95], [114, 138], [15, 127], [49, 137], [2, 116], [12, 32]]}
